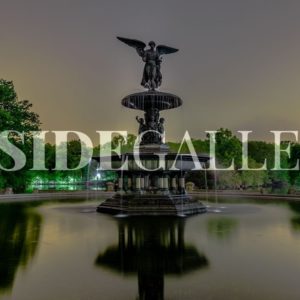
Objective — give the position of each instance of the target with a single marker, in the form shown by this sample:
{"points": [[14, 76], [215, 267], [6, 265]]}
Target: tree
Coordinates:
{"points": [[228, 147], [295, 155], [16, 115], [259, 151]]}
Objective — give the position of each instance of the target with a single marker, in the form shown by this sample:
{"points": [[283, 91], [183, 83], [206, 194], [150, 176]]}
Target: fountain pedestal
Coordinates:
{"points": [[155, 191]]}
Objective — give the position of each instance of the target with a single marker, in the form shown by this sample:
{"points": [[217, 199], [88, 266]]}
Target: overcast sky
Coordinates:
{"points": [[238, 66]]}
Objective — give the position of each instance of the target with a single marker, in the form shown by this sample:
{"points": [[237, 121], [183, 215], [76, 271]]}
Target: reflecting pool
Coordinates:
{"points": [[244, 249]]}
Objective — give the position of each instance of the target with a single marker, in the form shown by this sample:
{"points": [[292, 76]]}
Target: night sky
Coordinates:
{"points": [[238, 66]]}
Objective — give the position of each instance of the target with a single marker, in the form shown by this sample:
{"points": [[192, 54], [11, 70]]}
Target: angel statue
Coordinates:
{"points": [[152, 57]]}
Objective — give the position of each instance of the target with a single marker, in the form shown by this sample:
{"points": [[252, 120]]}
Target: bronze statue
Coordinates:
{"points": [[160, 127], [142, 126], [152, 57], [151, 123]]}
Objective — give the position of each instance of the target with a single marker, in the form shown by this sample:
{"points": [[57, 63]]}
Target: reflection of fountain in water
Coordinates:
{"points": [[151, 248]]}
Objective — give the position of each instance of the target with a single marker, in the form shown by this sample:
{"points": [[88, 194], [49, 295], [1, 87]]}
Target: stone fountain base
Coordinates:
{"points": [[133, 204], [153, 182]]}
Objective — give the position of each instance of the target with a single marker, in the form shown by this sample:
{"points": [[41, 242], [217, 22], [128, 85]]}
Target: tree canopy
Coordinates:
{"points": [[16, 115]]}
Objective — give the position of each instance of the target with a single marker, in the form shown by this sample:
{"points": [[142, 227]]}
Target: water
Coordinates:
{"points": [[64, 250]]}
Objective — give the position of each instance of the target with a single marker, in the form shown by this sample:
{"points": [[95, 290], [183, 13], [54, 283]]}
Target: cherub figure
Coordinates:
{"points": [[161, 128], [142, 126]]}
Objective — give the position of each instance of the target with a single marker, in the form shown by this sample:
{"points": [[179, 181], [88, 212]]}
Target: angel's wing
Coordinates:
{"points": [[138, 45], [162, 49]]}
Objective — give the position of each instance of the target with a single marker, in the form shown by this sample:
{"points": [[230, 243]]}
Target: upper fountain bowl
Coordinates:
{"points": [[151, 99]]}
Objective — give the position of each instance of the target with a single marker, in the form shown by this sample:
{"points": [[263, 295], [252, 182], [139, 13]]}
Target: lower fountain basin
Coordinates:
{"points": [[137, 204]]}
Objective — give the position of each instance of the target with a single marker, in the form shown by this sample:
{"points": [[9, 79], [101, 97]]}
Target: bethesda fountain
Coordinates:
{"points": [[152, 189]]}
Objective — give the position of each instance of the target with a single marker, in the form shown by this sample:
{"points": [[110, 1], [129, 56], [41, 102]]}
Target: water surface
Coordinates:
{"points": [[65, 250]]}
